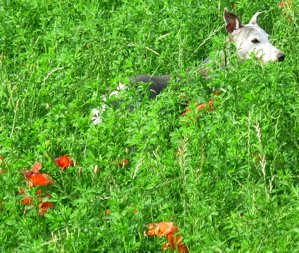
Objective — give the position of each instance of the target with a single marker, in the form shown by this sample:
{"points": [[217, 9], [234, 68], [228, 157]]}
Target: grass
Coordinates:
{"points": [[228, 178]]}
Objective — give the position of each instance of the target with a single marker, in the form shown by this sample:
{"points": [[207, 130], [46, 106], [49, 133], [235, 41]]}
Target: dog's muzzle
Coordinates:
{"points": [[281, 56]]}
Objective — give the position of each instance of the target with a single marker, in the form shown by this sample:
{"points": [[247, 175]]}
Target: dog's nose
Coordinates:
{"points": [[281, 56]]}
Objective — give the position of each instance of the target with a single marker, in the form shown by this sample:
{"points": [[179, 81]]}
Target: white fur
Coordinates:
{"points": [[96, 113], [251, 40], [263, 50]]}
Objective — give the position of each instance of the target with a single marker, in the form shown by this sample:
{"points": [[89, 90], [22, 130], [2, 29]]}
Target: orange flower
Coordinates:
{"points": [[168, 229], [64, 162], [282, 4], [39, 192], [35, 178], [182, 248], [161, 229], [200, 107], [176, 241], [27, 201], [38, 179], [36, 167], [44, 206], [123, 163]]}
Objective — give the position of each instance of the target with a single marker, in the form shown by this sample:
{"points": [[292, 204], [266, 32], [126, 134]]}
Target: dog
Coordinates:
{"points": [[250, 41]]}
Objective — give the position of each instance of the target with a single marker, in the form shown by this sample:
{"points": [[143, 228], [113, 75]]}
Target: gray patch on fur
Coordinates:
{"points": [[156, 83]]}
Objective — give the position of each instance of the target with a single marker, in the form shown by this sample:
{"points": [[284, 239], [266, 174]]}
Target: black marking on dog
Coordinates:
{"points": [[157, 83]]}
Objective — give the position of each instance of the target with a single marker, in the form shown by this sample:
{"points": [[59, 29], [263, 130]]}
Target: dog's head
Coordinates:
{"points": [[251, 39]]}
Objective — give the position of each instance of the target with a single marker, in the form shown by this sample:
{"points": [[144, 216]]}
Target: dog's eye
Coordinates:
{"points": [[255, 41]]}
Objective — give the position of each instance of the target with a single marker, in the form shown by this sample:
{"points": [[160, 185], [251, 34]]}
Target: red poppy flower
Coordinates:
{"points": [[168, 229], [35, 178], [176, 241], [38, 179], [64, 162], [161, 229], [27, 201], [44, 206]]}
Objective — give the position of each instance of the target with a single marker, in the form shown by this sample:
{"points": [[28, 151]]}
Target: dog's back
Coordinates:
{"points": [[156, 83]]}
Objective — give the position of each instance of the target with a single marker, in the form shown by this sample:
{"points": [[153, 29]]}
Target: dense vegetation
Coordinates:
{"points": [[227, 177]]}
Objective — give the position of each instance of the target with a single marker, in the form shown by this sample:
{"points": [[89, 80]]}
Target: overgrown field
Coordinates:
{"points": [[227, 176]]}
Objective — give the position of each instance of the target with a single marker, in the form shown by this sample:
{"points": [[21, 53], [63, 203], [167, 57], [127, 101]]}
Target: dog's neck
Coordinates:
{"points": [[217, 60]]}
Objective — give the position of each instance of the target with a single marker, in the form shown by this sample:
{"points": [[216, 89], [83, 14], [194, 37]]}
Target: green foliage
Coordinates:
{"points": [[227, 177]]}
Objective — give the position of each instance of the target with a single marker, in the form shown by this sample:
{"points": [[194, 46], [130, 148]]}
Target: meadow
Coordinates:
{"points": [[227, 176]]}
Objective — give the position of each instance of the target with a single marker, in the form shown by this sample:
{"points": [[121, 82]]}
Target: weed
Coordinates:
{"points": [[227, 177]]}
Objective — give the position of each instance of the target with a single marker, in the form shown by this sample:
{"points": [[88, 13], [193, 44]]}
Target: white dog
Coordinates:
{"points": [[250, 40]]}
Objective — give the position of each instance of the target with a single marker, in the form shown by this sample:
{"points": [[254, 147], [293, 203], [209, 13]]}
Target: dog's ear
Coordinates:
{"points": [[232, 21], [253, 20]]}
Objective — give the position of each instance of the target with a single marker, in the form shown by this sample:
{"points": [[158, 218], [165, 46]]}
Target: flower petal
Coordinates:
{"points": [[27, 201], [161, 229], [44, 206], [64, 162], [168, 229], [36, 167], [37, 179]]}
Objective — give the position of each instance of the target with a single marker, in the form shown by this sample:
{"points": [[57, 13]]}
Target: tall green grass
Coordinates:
{"points": [[228, 177]]}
